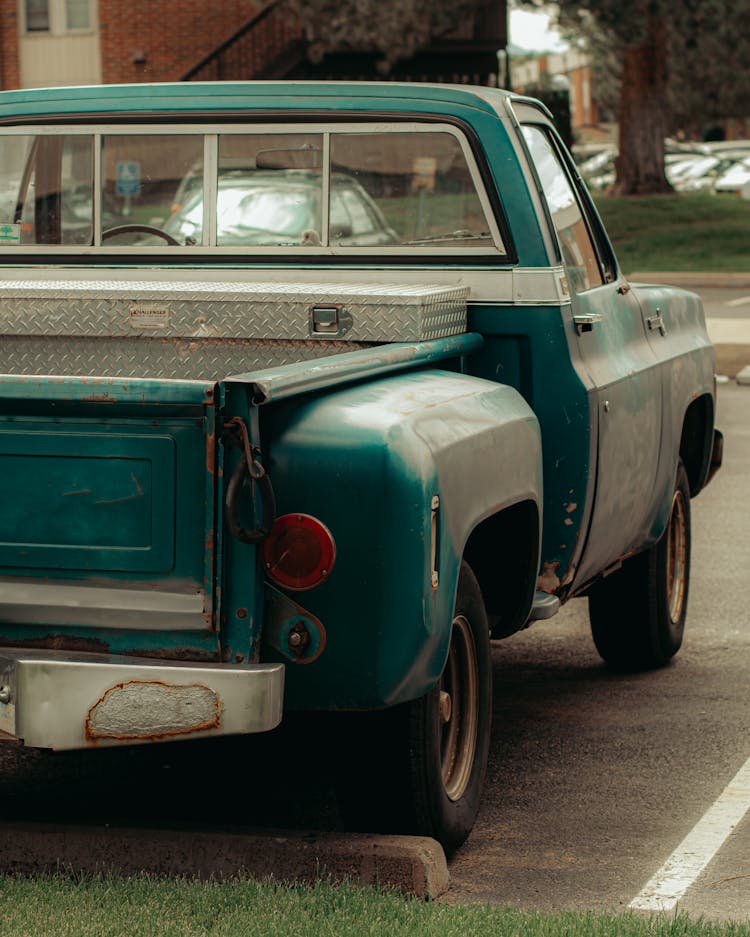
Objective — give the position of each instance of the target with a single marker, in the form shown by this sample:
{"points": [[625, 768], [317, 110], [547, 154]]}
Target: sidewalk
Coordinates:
{"points": [[695, 280], [731, 336]]}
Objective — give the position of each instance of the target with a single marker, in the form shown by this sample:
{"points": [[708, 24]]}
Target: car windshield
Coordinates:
{"points": [[251, 213]]}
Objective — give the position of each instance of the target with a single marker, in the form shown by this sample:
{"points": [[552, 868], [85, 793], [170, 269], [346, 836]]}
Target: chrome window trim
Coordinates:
{"points": [[487, 285], [210, 183]]}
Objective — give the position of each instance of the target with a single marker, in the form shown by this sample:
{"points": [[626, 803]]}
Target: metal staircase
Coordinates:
{"points": [[269, 45]]}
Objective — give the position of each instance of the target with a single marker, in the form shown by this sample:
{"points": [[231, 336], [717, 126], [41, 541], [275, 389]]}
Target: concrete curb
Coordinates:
{"points": [[413, 864], [731, 359]]}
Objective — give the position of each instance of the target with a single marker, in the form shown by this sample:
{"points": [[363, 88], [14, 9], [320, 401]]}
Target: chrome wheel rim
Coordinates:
{"points": [[676, 557], [458, 710]]}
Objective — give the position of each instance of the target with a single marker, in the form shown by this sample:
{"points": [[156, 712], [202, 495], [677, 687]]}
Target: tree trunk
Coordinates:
{"points": [[643, 114]]}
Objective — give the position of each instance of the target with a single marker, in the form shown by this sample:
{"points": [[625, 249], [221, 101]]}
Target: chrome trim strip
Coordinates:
{"points": [[525, 286], [67, 604]]}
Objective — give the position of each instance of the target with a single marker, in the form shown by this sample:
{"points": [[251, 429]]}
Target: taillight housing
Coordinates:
{"points": [[299, 553]]}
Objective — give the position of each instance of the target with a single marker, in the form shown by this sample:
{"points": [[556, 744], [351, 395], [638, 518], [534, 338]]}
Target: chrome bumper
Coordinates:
{"points": [[59, 700]]}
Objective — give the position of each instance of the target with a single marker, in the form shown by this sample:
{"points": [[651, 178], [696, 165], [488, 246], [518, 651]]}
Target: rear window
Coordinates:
{"points": [[356, 189]]}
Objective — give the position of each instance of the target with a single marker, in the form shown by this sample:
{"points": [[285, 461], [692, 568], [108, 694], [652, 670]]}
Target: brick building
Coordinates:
{"points": [[571, 70], [47, 43], [60, 42]]}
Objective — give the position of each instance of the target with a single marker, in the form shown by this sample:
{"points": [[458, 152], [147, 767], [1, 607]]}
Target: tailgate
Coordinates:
{"points": [[107, 515]]}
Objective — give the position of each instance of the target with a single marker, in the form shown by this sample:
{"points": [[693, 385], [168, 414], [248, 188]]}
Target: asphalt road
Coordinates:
{"points": [[594, 778]]}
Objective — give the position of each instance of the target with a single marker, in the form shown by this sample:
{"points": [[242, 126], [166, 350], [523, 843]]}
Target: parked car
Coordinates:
{"points": [[249, 470], [734, 178], [281, 207]]}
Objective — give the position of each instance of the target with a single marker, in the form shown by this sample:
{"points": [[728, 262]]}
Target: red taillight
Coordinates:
{"points": [[299, 553]]}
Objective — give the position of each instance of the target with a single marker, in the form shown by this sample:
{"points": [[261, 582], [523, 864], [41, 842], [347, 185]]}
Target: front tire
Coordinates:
{"points": [[638, 614], [420, 767]]}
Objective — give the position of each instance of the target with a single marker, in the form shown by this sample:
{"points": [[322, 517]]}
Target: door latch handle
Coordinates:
{"points": [[656, 322], [585, 321]]}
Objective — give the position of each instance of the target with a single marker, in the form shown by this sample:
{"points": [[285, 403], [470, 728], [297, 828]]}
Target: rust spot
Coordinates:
{"points": [[242, 613], [99, 398], [66, 642], [59, 642], [72, 494], [175, 653], [548, 580], [116, 705], [211, 452]]}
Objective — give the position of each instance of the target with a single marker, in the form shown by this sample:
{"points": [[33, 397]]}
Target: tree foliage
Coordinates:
{"points": [[396, 29], [676, 64]]}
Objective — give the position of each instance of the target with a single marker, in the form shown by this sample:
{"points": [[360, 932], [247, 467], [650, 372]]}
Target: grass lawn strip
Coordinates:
{"points": [[679, 232], [78, 906]]}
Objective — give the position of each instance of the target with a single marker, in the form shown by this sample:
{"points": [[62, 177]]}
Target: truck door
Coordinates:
{"points": [[625, 391]]}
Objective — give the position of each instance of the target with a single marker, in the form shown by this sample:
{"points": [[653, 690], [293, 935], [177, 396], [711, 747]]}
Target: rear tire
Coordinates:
{"points": [[420, 767], [638, 614]]}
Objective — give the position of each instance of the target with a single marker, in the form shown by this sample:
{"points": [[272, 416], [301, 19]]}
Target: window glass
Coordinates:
{"points": [[143, 178], [269, 194], [77, 14], [46, 189], [577, 249], [385, 190], [37, 16], [414, 189]]}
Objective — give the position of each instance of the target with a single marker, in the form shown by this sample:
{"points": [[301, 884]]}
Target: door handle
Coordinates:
{"points": [[656, 322], [585, 321]]}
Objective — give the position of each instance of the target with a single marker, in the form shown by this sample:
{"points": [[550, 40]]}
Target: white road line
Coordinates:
{"points": [[740, 301], [694, 853]]}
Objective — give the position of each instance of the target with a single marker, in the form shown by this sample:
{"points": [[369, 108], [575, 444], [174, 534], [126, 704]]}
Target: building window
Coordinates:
{"points": [[37, 16], [57, 17], [77, 14]]}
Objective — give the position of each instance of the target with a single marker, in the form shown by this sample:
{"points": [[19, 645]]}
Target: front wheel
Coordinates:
{"points": [[419, 768], [638, 614]]}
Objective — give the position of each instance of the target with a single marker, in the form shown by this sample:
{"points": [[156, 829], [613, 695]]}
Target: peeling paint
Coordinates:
{"points": [[548, 580]]}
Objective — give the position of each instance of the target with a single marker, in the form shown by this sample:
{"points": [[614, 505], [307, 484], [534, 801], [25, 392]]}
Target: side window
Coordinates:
{"points": [[578, 252]]}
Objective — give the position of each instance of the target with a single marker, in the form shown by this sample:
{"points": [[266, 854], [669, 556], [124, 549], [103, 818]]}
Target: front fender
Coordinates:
{"points": [[368, 461]]}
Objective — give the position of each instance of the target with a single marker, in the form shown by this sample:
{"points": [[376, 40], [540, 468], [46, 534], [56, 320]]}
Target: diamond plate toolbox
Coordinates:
{"points": [[199, 329]]}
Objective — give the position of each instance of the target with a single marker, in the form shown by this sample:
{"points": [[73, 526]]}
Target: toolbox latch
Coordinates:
{"points": [[329, 321]]}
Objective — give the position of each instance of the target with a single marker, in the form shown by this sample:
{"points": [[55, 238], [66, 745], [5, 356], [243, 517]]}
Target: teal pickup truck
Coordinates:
{"points": [[306, 392]]}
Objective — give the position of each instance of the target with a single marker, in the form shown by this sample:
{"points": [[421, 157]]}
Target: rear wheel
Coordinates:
{"points": [[638, 614], [421, 766]]}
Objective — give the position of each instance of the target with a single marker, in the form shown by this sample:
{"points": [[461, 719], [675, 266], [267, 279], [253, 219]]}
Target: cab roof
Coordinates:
{"points": [[204, 97]]}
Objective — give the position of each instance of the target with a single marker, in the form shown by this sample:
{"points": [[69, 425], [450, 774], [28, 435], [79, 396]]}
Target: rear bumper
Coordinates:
{"points": [[54, 699]]}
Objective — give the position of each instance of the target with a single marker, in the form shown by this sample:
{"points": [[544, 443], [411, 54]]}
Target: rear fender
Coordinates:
{"points": [[401, 470]]}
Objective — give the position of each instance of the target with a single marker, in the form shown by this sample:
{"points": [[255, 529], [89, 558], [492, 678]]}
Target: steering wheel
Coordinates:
{"points": [[139, 229]]}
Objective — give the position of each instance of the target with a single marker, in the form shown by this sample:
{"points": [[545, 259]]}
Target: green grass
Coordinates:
{"points": [[681, 232], [75, 906]]}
